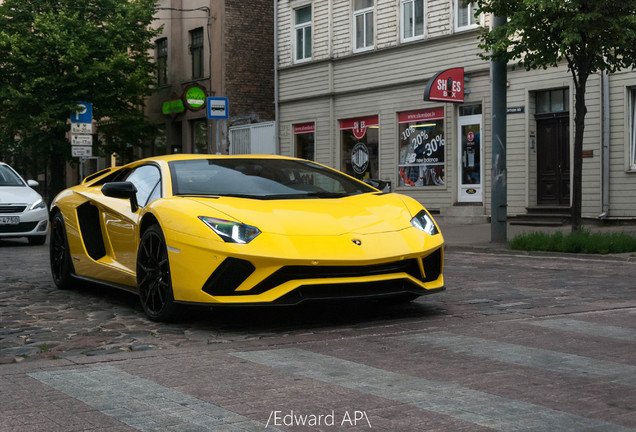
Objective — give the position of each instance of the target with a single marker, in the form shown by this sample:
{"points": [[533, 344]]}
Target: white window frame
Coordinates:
{"points": [[471, 6], [632, 129], [404, 6], [305, 27], [363, 12]]}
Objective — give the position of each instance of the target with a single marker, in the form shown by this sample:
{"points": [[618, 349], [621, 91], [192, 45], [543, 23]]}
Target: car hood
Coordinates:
{"points": [[361, 214], [18, 195]]}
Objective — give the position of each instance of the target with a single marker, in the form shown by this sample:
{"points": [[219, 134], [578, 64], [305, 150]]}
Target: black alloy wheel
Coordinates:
{"points": [[153, 277], [59, 254]]}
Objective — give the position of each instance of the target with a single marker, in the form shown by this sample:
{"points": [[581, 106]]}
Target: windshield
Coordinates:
{"points": [[261, 179], [8, 177]]}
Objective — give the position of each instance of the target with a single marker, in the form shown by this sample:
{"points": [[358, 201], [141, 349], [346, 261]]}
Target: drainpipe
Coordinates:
{"points": [[276, 140], [605, 156]]}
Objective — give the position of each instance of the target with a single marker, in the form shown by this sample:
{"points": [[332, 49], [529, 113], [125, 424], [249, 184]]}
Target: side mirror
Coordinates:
{"points": [[33, 183], [125, 190]]}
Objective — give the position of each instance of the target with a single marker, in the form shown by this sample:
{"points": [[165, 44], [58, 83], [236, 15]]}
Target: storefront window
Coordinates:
{"points": [[304, 140], [421, 144], [359, 138]]}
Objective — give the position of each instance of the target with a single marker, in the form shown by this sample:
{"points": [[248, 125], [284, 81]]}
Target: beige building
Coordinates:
{"points": [[351, 79]]}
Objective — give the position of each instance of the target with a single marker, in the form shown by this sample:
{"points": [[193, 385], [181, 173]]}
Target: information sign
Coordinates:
{"points": [[218, 108], [81, 128], [81, 151], [81, 140]]}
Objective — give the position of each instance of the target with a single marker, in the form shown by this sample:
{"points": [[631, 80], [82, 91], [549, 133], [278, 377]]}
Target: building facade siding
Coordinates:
{"points": [[339, 83]]}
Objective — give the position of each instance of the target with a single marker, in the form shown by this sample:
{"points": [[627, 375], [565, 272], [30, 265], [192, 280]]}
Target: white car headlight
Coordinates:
{"points": [[424, 222], [38, 204], [231, 232]]}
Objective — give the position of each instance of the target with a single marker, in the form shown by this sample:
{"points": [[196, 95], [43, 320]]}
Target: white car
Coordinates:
{"points": [[23, 212]]}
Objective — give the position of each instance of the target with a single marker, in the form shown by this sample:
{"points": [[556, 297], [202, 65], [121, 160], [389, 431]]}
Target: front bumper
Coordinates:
{"points": [[32, 223], [386, 264]]}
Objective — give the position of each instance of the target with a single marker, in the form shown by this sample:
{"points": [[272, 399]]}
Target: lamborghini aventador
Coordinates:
{"points": [[227, 230]]}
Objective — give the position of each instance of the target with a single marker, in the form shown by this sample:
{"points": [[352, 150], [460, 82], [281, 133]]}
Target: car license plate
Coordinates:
{"points": [[9, 220]]}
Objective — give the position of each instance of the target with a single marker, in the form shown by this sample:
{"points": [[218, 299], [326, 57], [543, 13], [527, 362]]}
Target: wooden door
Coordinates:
{"points": [[553, 161]]}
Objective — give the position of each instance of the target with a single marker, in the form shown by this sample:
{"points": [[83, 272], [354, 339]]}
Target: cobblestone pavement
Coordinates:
{"points": [[517, 342]]}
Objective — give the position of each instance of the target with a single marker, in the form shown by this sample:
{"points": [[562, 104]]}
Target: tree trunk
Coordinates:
{"points": [[59, 152], [577, 169]]}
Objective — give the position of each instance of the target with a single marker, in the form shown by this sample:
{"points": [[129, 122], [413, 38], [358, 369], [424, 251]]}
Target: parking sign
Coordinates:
{"points": [[85, 113]]}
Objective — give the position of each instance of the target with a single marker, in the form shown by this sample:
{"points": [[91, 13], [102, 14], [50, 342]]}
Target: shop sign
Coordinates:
{"points": [[173, 107], [194, 97], [421, 115], [359, 125], [446, 86], [304, 128]]}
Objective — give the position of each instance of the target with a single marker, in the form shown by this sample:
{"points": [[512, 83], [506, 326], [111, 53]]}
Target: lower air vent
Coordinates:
{"points": [[228, 277]]}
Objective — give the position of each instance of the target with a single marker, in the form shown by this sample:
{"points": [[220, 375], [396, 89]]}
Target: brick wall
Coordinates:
{"points": [[249, 60]]}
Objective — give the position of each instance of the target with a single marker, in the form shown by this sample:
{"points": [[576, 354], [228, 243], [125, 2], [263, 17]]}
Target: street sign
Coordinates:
{"points": [[82, 151], [218, 108], [81, 140], [81, 128], [85, 113]]}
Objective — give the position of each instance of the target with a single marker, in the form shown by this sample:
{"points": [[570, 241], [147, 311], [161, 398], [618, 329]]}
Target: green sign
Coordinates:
{"points": [[194, 98], [173, 107]]}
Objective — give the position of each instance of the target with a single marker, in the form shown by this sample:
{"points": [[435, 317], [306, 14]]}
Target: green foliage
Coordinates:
{"points": [[588, 35], [592, 34], [55, 53], [576, 242]]}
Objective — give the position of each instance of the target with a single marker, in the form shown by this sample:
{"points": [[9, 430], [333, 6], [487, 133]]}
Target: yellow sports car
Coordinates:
{"points": [[202, 229]]}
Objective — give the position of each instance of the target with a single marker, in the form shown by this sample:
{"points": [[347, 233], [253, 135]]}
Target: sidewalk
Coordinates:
{"points": [[479, 235]]}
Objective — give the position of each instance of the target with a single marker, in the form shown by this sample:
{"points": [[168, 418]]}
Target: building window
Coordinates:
{"points": [[162, 61], [421, 148], [196, 50], [359, 144], [412, 19], [363, 24], [465, 14], [302, 25], [552, 101], [304, 140], [632, 125]]}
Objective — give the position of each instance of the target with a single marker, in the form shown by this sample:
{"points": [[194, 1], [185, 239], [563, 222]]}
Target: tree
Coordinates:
{"points": [[56, 53], [588, 35]]}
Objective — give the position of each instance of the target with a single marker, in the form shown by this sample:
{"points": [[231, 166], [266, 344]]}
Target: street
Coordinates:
{"points": [[517, 342]]}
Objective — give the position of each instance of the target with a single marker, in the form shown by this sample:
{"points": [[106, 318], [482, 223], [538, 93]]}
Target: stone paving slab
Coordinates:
{"points": [[564, 327]]}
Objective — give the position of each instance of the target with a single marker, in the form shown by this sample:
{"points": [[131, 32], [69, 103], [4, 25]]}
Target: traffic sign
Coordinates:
{"points": [[81, 140], [218, 108], [81, 151], [81, 128], [85, 113]]}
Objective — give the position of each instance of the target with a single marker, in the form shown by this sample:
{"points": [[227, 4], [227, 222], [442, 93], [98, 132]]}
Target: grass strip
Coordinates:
{"points": [[584, 242]]}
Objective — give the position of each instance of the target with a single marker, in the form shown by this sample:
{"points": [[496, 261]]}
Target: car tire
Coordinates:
{"points": [[154, 280], [59, 254], [37, 240]]}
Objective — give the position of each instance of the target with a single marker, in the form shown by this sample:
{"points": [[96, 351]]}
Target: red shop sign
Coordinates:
{"points": [[304, 128], [421, 115], [359, 125], [446, 86]]}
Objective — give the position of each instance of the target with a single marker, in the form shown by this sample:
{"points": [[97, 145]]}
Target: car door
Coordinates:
{"points": [[121, 222]]}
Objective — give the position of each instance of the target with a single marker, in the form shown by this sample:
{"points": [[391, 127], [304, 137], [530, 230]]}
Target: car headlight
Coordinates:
{"points": [[424, 222], [38, 204], [231, 232]]}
